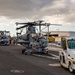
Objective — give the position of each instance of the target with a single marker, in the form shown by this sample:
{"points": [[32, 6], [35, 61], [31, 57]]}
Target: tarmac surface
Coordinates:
{"points": [[13, 62]]}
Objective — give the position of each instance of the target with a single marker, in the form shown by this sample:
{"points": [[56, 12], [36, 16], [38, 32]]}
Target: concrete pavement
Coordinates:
{"points": [[12, 62]]}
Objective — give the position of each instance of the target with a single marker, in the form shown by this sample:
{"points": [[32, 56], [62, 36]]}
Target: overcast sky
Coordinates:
{"points": [[53, 11]]}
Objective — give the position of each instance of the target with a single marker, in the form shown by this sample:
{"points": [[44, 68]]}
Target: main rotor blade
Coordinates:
{"points": [[21, 27], [56, 24], [28, 23], [20, 23]]}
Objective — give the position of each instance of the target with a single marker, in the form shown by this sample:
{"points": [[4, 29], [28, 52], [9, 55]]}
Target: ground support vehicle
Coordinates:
{"points": [[67, 53]]}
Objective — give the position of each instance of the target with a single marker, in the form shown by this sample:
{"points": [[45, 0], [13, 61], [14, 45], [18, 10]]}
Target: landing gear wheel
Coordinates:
{"points": [[46, 52], [70, 68], [23, 51], [29, 53]]}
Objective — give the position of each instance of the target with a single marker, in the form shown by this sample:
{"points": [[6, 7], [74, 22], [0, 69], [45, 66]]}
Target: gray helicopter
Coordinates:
{"points": [[32, 41]]}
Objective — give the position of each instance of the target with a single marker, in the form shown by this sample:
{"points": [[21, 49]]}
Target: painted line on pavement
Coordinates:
{"points": [[56, 56], [50, 57]]}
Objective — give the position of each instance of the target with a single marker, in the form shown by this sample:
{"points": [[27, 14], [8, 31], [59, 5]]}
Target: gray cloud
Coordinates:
{"points": [[37, 9], [21, 8]]}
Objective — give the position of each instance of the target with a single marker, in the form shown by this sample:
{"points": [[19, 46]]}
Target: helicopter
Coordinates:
{"points": [[4, 37], [32, 41]]}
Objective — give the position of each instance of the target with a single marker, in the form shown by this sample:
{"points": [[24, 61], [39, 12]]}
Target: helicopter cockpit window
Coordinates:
{"points": [[31, 29]]}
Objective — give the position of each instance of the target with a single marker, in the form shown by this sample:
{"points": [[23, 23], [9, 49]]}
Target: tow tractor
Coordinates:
{"points": [[67, 53]]}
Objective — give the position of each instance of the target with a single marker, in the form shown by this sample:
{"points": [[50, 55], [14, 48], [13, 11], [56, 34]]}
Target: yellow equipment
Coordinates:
{"points": [[50, 38]]}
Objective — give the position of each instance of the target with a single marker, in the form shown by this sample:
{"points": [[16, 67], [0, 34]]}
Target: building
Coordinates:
{"points": [[62, 34]]}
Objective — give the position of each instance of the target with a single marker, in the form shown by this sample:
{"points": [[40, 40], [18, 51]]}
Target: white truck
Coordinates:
{"points": [[67, 53]]}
